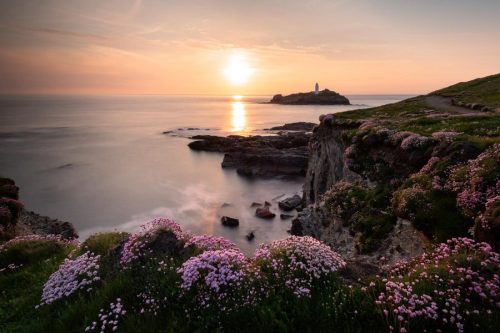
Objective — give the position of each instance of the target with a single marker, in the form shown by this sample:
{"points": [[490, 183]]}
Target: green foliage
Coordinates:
{"points": [[102, 243], [21, 288], [484, 90]]}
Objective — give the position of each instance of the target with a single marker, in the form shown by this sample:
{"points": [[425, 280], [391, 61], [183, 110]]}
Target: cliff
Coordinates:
{"points": [[15, 220], [324, 97], [386, 181]]}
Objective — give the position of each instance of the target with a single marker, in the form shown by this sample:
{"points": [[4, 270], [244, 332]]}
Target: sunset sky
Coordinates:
{"points": [[244, 47]]}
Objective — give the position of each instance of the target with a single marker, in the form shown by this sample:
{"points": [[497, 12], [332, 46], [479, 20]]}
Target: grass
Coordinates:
{"points": [[409, 115], [484, 91]]}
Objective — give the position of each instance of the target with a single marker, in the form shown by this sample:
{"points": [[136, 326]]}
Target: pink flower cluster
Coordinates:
{"points": [[445, 135], [108, 319], [38, 238], [429, 165], [137, 244], [415, 141], [72, 275], [210, 243], [465, 281], [476, 183], [217, 278], [299, 261]]}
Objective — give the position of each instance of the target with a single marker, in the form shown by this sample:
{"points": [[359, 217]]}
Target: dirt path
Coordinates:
{"points": [[444, 104]]}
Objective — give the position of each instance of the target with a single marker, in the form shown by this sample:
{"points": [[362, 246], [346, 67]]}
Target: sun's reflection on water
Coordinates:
{"points": [[238, 115]]}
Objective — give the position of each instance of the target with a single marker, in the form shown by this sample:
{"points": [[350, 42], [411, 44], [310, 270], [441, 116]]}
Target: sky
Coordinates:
{"points": [[186, 47]]}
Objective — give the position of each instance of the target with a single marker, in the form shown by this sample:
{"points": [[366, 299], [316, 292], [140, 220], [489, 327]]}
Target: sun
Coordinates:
{"points": [[238, 70]]}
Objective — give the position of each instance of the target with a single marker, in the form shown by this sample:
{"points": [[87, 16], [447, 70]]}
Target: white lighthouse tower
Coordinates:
{"points": [[316, 88]]}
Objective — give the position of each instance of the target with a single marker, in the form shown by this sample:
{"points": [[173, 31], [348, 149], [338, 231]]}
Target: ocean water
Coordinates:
{"points": [[103, 163]]}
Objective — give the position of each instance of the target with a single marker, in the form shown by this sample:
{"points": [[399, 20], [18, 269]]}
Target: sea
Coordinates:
{"points": [[105, 163]]}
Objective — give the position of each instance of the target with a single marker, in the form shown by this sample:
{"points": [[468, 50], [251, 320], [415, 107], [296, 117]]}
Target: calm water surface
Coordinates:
{"points": [[103, 163]]}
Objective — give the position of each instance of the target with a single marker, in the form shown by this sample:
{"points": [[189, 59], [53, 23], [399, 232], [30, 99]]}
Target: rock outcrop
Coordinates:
{"points": [[15, 220], [263, 156], [324, 97]]}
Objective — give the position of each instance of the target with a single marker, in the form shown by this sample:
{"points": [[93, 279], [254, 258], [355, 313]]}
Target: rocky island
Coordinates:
{"points": [[323, 97]]}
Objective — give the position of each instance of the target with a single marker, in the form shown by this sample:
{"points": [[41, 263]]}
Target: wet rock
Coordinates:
{"points": [[264, 213], [229, 221], [290, 203], [250, 236], [298, 126], [285, 216], [267, 203], [261, 156], [255, 204]]}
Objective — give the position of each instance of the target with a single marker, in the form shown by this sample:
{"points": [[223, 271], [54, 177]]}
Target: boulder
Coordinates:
{"points": [[250, 236], [229, 221], [289, 204], [264, 213]]}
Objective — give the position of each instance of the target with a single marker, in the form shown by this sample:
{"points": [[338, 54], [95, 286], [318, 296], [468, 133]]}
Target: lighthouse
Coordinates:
{"points": [[316, 88]]}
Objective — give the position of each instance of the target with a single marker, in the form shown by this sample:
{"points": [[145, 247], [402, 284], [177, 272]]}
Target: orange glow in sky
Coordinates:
{"points": [[245, 47]]}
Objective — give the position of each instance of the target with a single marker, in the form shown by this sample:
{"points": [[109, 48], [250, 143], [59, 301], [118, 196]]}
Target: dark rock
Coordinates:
{"points": [[255, 204], [264, 213], [229, 221], [225, 204], [290, 203], [250, 236], [32, 223], [264, 156], [297, 228], [325, 97], [285, 216], [298, 126], [267, 203]]}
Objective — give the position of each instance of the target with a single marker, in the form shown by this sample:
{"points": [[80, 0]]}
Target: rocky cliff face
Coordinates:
{"points": [[15, 220]]}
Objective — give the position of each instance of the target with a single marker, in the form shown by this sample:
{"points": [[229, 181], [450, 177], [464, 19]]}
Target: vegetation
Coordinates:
{"points": [[484, 91], [175, 283]]}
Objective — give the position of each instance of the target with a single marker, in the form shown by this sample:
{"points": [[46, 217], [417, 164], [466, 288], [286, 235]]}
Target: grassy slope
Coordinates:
{"points": [[484, 90], [413, 114]]}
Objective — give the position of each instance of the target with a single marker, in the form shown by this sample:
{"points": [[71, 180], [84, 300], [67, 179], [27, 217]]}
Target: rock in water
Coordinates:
{"points": [[285, 216], [290, 203], [259, 156], [255, 204], [264, 213], [229, 221], [250, 236]]}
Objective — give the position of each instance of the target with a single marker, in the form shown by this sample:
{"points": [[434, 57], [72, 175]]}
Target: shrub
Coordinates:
{"points": [[141, 244], [454, 287], [297, 263], [72, 275]]}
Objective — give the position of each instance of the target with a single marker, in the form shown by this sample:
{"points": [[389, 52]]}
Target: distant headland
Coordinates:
{"points": [[323, 97]]}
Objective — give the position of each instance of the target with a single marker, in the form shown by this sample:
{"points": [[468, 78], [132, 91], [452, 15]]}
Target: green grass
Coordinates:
{"points": [[21, 289], [484, 91]]}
